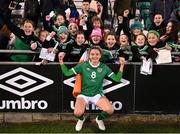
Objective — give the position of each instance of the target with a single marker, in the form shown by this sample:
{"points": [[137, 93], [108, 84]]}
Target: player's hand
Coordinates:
{"points": [[61, 57]]}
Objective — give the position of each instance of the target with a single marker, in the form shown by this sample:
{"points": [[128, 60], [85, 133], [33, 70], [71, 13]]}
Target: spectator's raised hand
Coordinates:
{"points": [[34, 46], [163, 37], [168, 47], [52, 34], [156, 49], [99, 7], [93, 6]]}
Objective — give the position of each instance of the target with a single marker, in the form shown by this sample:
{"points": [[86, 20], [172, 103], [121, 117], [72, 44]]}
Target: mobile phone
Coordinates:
{"points": [[13, 4]]}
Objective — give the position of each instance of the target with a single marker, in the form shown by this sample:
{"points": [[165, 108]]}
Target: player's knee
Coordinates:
{"points": [[78, 113], [109, 110]]}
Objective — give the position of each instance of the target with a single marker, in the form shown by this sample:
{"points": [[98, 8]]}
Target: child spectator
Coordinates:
{"points": [[97, 22], [158, 24], [96, 37], [154, 44], [78, 47], [136, 29], [65, 42], [125, 46], [73, 29], [112, 46], [106, 31], [59, 20], [46, 41], [139, 46], [25, 38]]}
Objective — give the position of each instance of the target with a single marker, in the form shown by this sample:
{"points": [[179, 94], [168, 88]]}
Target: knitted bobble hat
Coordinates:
{"points": [[62, 29], [137, 25], [96, 32]]}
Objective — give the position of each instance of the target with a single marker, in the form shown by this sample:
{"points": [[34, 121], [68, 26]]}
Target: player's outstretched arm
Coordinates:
{"points": [[65, 70], [117, 77]]}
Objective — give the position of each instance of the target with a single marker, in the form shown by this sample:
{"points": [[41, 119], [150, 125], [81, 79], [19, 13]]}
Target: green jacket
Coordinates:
{"points": [[20, 45]]}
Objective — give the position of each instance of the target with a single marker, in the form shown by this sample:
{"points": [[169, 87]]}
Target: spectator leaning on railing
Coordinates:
{"points": [[25, 38]]}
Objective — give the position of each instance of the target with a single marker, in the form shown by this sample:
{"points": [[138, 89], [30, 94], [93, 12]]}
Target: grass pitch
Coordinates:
{"points": [[89, 127]]}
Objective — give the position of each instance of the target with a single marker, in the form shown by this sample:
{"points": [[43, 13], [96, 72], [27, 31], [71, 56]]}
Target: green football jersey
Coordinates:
{"points": [[92, 77]]}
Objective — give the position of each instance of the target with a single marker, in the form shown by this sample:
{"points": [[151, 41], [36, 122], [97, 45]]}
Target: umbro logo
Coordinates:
{"points": [[21, 81], [70, 82]]}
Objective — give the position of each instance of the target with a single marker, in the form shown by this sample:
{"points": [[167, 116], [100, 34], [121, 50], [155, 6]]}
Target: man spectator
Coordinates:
{"points": [[165, 7]]}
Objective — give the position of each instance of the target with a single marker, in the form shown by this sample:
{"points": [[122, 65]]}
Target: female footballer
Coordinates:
{"points": [[93, 73]]}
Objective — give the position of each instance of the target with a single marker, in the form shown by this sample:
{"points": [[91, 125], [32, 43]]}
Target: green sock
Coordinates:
{"points": [[80, 117], [103, 115]]}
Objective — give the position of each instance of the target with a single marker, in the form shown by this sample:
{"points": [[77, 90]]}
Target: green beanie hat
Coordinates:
{"points": [[62, 29], [155, 32], [137, 25]]}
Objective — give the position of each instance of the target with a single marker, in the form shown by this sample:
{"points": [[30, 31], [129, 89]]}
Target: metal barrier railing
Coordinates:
{"points": [[19, 51], [37, 52]]}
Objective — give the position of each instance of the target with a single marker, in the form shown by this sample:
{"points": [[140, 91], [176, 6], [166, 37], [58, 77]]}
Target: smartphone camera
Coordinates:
{"points": [[14, 5]]}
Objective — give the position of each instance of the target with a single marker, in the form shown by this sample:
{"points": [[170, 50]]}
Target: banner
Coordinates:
{"points": [[30, 88], [159, 92]]}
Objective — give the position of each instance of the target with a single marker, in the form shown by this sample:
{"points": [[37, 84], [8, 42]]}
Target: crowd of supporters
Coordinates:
{"points": [[61, 28]]}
